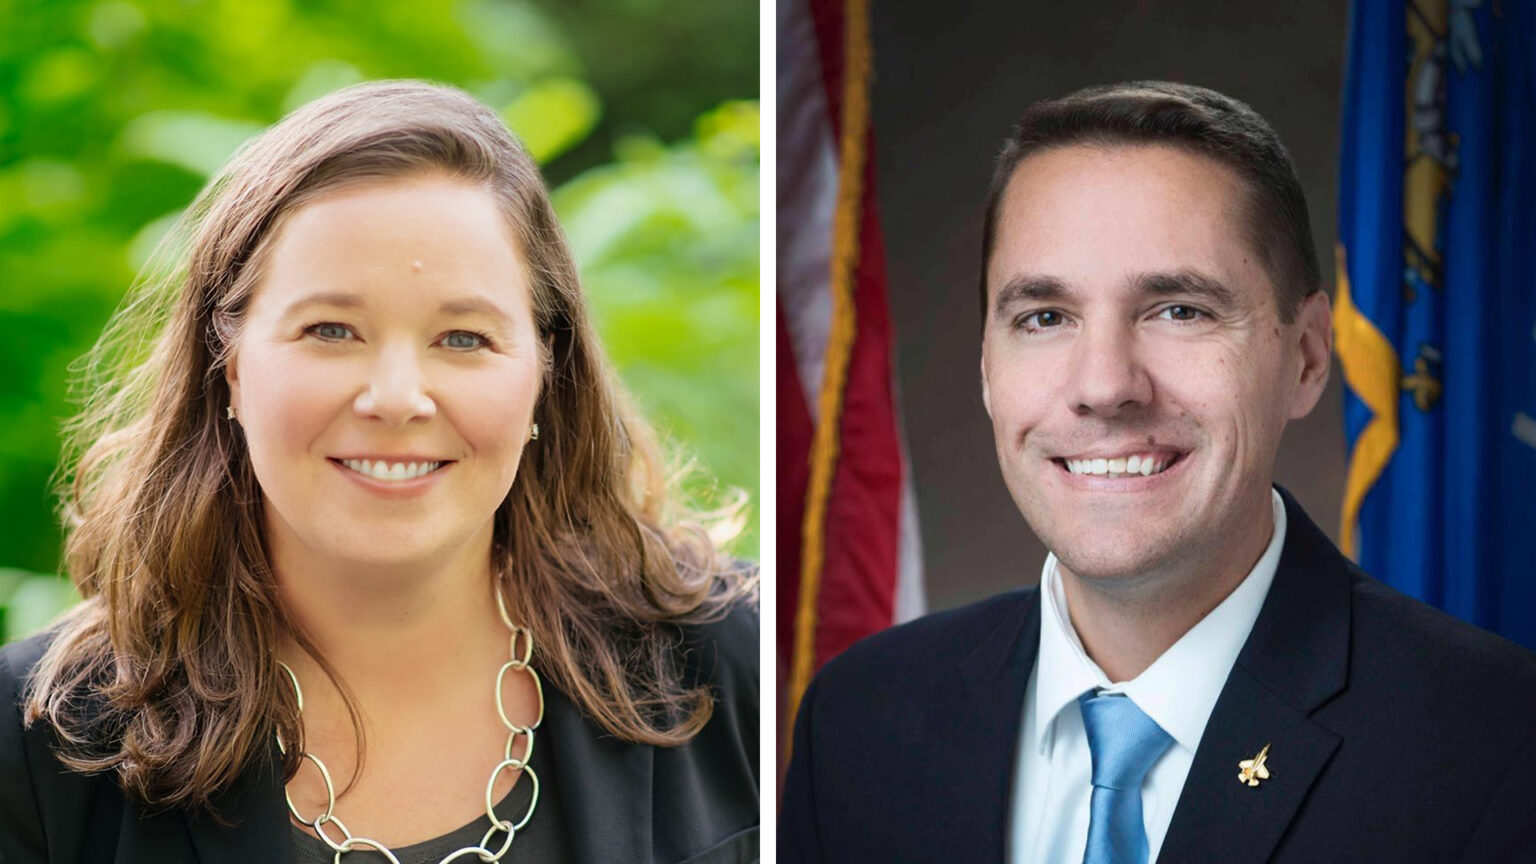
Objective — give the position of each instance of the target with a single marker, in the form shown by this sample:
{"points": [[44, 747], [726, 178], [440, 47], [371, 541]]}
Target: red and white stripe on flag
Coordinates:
{"points": [[847, 548]]}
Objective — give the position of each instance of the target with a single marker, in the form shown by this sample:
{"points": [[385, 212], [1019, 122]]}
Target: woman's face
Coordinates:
{"points": [[387, 372]]}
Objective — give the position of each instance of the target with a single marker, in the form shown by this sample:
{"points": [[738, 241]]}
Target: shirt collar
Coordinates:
{"points": [[1180, 688]]}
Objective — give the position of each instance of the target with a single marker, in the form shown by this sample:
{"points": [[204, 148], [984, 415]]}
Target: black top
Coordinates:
{"points": [[1398, 734], [542, 840], [619, 802]]}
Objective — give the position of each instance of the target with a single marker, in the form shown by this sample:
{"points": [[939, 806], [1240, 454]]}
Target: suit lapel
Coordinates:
{"points": [[604, 787], [1296, 658], [973, 767], [262, 836], [1220, 817]]}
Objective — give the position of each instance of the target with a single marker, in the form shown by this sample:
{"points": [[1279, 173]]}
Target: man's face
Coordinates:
{"points": [[1134, 361]]}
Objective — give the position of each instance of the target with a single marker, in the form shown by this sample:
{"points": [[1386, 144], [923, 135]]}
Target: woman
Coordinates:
{"points": [[371, 482]]}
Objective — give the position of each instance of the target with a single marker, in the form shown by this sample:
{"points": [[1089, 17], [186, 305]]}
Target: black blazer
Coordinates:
{"points": [[1399, 734], [622, 802]]}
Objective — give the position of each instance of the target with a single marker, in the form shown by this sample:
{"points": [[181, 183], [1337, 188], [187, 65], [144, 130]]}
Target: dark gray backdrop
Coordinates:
{"points": [[950, 80]]}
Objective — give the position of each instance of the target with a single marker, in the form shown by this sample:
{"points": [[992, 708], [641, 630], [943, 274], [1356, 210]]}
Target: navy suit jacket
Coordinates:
{"points": [[1398, 734], [623, 802]]}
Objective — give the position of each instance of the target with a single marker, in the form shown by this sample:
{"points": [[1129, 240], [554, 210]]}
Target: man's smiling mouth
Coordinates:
{"points": [[1143, 464]]}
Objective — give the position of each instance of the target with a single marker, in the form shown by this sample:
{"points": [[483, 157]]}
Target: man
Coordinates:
{"points": [[1200, 676]]}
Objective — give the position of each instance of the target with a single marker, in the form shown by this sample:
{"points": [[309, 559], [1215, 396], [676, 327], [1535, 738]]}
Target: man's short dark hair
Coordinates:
{"points": [[1195, 119]]}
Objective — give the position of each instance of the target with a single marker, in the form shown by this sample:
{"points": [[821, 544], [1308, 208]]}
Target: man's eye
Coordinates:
{"points": [[1181, 313], [465, 340], [331, 332], [1042, 320]]}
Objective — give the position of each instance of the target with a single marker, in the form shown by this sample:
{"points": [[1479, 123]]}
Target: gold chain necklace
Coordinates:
{"points": [[483, 851]]}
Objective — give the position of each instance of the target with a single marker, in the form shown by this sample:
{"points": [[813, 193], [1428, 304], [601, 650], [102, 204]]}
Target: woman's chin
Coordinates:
{"points": [[377, 551]]}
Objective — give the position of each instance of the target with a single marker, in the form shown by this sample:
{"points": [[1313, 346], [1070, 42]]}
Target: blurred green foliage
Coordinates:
{"points": [[642, 113]]}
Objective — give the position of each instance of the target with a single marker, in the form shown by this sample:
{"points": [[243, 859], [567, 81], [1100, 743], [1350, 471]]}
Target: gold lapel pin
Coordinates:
{"points": [[1253, 770]]}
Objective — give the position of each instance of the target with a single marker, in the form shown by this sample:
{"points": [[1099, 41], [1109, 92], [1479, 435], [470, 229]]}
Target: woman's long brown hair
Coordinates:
{"points": [[166, 673]]}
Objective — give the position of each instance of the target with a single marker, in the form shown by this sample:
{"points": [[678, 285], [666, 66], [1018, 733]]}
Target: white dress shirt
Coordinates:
{"points": [[1051, 781]]}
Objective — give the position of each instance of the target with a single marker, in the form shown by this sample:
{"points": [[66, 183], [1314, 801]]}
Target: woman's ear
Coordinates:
{"points": [[232, 378]]}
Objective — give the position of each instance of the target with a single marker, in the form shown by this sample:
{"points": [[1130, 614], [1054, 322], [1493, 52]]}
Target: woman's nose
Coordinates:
{"points": [[396, 390]]}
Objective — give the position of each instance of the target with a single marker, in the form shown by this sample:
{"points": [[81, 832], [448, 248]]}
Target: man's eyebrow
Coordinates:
{"points": [[1185, 283], [1028, 288]]}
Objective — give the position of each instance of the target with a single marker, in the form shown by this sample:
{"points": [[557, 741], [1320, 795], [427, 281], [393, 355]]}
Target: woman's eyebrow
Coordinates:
{"points": [[344, 300], [471, 306], [326, 298]]}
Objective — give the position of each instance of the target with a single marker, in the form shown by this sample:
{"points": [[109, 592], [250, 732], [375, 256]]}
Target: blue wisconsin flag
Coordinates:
{"points": [[1436, 305]]}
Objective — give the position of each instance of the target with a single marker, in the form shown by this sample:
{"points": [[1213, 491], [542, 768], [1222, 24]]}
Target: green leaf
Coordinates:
{"points": [[553, 116], [34, 601], [194, 140]]}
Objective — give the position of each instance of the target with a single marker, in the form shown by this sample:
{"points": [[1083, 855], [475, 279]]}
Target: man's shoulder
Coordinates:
{"points": [[931, 645], [1422, 681], [1392, 629]]}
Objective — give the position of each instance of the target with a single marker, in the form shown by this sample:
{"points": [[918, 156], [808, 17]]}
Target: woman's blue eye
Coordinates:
{"points": [[463, 339], [332, 332]]}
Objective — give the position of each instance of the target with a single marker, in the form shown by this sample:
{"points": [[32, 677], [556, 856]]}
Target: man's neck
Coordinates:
{"points": [[1125, 624]]}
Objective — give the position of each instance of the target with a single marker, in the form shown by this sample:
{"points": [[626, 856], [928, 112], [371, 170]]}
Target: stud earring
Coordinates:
{"points": [[534, 435], [229, 412]]}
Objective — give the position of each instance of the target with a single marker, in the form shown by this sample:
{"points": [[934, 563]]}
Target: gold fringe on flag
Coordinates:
{"points": [[847, 219]]}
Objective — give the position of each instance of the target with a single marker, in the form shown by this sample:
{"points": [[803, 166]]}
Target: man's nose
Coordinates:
{"points": [[1107, 375], [395, 391]]}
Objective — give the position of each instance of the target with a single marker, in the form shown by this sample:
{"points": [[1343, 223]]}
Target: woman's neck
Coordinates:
{"points": [[418, 649], [388, 628]]}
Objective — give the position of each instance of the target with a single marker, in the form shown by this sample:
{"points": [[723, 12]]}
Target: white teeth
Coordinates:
{"points": [[1146, 466], [398, 471]]}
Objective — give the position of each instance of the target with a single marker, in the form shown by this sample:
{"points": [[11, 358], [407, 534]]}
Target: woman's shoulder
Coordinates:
{"points": [[21, 783], [17, 661], [706, 791], [18, 658], [722, 652]]}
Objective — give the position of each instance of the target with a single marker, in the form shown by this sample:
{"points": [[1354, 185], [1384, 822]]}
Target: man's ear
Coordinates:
{"points": [[986, 388], [1315, 342]]}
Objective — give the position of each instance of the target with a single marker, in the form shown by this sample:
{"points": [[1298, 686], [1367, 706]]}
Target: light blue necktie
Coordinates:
{"points": [[1124, 743]]}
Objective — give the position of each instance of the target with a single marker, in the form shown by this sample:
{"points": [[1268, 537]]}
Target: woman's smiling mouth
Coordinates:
{"points": [[392, 471]]}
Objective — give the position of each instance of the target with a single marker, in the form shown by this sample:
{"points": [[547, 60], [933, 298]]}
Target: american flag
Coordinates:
{"points": [[849, 562]]}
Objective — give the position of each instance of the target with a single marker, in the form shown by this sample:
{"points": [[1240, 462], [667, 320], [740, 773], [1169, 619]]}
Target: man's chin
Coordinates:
{"points": [[1101, 570], [1116, 556]]}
